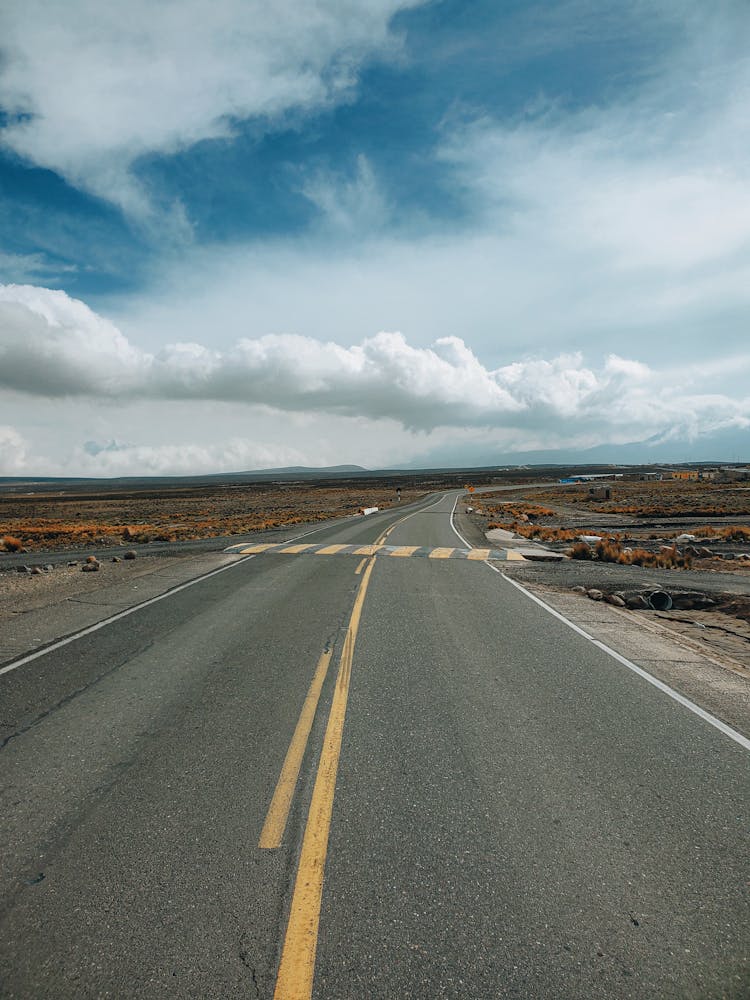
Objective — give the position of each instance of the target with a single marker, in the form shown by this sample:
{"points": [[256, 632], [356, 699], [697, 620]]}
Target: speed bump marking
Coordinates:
{"points": [[398, 551]]}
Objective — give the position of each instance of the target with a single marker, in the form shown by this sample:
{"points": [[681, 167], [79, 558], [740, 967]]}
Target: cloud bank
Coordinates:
{"points": [[53, 346]]}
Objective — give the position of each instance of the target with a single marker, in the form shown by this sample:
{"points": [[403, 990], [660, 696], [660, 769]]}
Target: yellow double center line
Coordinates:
{"points": [[278, 811], [294, 980], [297, 967]]}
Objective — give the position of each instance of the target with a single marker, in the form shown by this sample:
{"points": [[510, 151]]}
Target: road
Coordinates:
{"points": [[486, 804]]}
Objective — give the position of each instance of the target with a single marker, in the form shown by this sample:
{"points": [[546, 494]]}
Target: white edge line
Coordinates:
{"points": [[113, 618], [455, 529], [743, 741], [665, 688], [421, 510]]}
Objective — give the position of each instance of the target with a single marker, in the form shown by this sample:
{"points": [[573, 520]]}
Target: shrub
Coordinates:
{"points": [[582, 551], [611, 550], [11, 544]]}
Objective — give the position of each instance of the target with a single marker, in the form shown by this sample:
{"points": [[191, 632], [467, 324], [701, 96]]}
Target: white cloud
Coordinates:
{"points": [[349, 205], [13, 451], [51, 344], [186, 458], [54, 346], [619, 228], [597, 291], [24, 267], [653, 190], [92, 86]]}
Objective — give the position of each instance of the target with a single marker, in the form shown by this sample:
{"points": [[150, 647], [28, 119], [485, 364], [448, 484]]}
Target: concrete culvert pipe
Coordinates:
{"points": [[659, 600]]}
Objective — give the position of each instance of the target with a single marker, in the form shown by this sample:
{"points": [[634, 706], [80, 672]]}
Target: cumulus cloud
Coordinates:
{"points": [[90, 87], [51, 344], [54, 346]]}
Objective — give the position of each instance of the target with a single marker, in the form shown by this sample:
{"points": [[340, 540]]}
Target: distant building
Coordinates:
{"points": [[682, 474]]}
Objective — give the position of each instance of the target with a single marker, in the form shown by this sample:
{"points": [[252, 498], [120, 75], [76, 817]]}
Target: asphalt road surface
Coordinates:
{"points": [[346, 776]]}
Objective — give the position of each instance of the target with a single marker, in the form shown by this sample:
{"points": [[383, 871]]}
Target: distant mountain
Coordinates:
{"points": [[305, 471], [295, 472], [724, 447]]}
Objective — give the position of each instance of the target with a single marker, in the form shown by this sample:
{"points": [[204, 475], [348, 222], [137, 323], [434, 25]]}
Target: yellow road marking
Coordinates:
{"points": [[404, 550], [297, 967], [478, 553], [297, 548], [278, 811], [360, 564], [257, 548], [367, 550], [441, 553], [512, 555], [330, 550]]}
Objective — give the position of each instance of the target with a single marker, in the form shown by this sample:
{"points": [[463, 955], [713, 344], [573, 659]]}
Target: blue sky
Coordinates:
{"points": [[235, 235]]}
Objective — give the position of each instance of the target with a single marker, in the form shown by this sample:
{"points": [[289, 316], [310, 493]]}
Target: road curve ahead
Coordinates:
{"points": [[341, 774]]}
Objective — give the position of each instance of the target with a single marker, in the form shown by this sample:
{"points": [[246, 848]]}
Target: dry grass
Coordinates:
{"points": [[537, 531], [736, 533], [658, 499], [39, 522], [513, 510], [521, 518], [612, 551]]}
